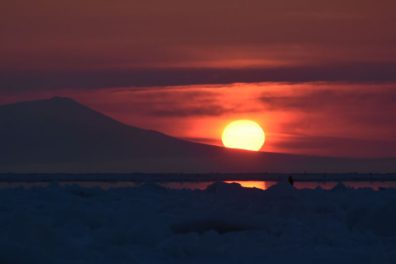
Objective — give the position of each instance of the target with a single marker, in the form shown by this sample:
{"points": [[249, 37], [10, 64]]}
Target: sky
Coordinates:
{"points": [[319, 76]]}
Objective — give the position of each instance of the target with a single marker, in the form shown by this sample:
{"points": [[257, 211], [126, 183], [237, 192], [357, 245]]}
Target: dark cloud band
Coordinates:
{"points": [[12, 82]]}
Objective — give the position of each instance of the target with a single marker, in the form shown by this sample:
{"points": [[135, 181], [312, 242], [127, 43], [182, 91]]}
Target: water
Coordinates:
{"points": [[202, 185], [264, 185]]}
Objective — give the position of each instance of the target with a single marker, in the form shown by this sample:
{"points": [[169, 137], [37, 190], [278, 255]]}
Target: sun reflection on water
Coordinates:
{"points": [[263, 185]]}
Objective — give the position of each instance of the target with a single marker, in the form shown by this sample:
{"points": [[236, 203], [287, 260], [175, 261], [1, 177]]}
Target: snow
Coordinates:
{"points": [[224, 223]]}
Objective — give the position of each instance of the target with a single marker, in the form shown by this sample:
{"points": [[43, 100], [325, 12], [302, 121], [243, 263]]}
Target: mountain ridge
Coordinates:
{"points": [[61, 135]]}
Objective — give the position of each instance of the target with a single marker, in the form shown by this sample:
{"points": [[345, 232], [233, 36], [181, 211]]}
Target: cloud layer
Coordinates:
{"points": [[96, 44], [14, 82], [315, 73], [312, 118]]}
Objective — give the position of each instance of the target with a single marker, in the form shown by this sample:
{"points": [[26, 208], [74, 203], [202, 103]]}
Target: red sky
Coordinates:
{"points": [[320, 76]]}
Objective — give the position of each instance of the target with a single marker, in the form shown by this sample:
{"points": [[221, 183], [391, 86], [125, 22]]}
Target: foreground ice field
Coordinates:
{"points": [[223, 224]]}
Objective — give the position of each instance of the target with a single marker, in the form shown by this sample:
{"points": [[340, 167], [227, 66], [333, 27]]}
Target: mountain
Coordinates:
{"points": [[61, 135]]}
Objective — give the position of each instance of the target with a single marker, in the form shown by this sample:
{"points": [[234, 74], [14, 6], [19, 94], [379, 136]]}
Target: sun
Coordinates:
{"points": [[243, 134]]}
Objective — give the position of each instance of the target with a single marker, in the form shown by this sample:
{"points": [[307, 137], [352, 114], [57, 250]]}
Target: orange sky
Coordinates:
{"points": [[96, 34], [333, 119], [319, 76]]}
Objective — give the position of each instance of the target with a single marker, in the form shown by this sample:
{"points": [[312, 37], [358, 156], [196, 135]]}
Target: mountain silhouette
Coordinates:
{"points": [[62, 135]]}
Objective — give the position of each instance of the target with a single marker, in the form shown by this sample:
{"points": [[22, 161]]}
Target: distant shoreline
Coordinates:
{"points": [[182, 177]]}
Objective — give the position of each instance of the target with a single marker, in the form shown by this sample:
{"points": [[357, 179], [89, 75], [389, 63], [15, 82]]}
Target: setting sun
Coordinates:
{"points": [[243, 134]]}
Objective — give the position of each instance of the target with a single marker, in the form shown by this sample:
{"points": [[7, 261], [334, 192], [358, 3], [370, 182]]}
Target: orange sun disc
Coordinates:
{"points": [[243, 134]]}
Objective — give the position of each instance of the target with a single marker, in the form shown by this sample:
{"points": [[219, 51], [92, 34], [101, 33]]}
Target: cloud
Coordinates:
{"points": [[15, 82], [330, 98], [178, 102], [177, 42], [170, 102], [358, 111], [187, 111], [337, 146], [178, 32]]}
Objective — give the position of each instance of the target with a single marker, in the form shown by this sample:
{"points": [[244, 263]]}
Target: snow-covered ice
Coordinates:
{"points": [[223, 224]]}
